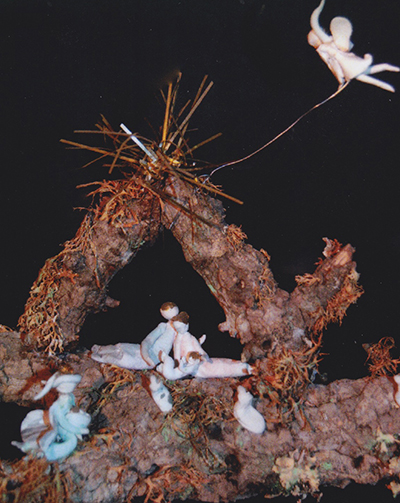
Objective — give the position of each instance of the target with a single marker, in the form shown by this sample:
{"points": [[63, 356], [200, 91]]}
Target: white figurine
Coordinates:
{"points": [[168, 369], [145, 355], [160, 394], [55, 433], [246, 414], [185, 344], [123, 354], [335, 49], [162, 337], [63, 383], [223, 367]]}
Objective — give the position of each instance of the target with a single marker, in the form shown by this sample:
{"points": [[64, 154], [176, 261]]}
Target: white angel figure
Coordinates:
{"points": [[145, 355], [335, 49], [55, 433]]}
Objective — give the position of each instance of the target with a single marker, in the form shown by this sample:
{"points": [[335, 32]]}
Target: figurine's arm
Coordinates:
{"points": [[367, 79], [316, 27], [147, 345]]}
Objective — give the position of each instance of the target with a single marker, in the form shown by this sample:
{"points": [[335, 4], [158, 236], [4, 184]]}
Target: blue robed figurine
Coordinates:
{"points": [[54, 433]]}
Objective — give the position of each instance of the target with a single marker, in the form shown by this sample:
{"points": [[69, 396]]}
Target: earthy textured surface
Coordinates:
{"points": [[342, 432], [316, 435], [74, 283], [258, 312]]}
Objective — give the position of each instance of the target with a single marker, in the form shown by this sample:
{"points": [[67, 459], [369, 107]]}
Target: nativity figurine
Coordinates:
{"points": [[335, 51], [145, 355], [189, 358], [246, 414], [54, 433], [160, 394]]}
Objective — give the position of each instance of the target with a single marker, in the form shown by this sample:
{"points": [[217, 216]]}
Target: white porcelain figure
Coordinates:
{"points": [[55, 433], [123, 354], [145, 355], [185, 344], [162, 337], [246, 414], [334, 50], [160, 394], [223, 367]]}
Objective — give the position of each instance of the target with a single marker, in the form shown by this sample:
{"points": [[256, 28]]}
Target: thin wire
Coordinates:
{"points": [[231, 163]]}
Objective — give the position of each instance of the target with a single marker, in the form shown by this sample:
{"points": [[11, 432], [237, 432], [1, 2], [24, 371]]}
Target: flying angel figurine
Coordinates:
{"points": [[335, 49]]}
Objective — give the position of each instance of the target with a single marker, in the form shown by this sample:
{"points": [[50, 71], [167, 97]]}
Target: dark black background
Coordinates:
{"points": [[63, 63]]}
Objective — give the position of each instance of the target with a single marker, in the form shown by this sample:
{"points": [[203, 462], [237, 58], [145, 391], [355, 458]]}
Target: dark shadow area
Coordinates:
{"points": [[11, 416]]}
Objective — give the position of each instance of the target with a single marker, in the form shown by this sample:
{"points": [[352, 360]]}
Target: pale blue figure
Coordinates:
{"points": [[145, 355], [162, 337], [55, 433]]}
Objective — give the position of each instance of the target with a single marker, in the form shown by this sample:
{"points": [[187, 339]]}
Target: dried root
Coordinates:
{"points": [[115, 196], [4, 328], [30, 480], [172, 482], [235, 236], [307, 279], [118, 379], [284, 376], [337, 306], [380, 361], [38, 325], [147, 168]]}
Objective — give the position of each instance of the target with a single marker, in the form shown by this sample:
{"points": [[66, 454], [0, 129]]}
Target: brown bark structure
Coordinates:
{"points": [[259, 313], [74, 283], [346, 431], [316, 435]]}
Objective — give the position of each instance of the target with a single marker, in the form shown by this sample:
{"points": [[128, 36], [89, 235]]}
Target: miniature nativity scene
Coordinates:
{"points": [[162, 418]]}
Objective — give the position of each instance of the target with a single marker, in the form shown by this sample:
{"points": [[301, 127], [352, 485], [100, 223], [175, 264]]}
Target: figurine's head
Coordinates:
{"points": [[67, 383], [63, 383], [191, 364], [244, 396], [168, 310], [181, 322], [341, 29]]}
